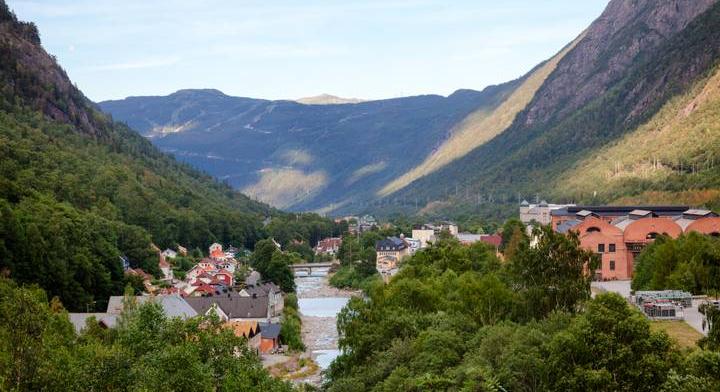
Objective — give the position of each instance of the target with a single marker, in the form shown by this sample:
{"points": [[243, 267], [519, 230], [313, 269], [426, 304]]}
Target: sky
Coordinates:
{"points": [[271, 49]]}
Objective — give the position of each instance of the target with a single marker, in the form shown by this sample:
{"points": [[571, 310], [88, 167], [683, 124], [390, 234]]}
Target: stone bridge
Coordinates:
{"points": [[308, 267]]}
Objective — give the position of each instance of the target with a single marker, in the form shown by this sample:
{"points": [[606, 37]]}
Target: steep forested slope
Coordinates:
{"points": [[77, 190], [635, 59]]}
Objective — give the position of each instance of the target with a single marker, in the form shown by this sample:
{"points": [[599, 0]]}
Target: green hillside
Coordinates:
{"points": [[77, 190], [613, 99]]}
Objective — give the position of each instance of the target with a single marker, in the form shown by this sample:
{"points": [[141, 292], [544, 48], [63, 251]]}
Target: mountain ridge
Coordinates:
{"points": [[630, 62]]}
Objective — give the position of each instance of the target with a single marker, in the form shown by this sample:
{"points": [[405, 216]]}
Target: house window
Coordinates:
{"points": [[612, 265], [601, 248], [611, 248]]}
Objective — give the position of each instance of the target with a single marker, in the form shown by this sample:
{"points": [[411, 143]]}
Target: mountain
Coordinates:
{"points": [[627, 111], [301, 156], [327, 99], [629, 114], [77, 190]]}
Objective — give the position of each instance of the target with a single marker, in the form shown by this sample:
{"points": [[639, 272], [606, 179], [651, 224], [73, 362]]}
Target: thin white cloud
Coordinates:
{"points": [[139, 64]]}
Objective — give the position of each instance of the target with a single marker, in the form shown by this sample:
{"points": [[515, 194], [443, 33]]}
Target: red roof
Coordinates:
{"points": [[492, 239]]}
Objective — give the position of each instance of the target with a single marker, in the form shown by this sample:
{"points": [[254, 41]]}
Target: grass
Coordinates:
{"points": [[681, 139], [284, 187], [684, 335]]}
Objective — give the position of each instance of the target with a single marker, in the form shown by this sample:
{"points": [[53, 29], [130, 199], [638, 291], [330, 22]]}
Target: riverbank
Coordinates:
{"points": [[319, 305]]}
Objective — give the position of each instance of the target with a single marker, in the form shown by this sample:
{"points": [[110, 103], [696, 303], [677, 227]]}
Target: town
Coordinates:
{"points": [[224, 285]]}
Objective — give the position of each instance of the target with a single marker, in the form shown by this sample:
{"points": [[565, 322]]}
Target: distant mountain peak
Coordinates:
{"points": [[327, 99]]}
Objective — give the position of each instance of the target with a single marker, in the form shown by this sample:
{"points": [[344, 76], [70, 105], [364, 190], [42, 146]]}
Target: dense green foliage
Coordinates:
{"points": [[455, 318], [274, 264], [357, 259], [39, 350], [690, 263], [307, 228], [77, 190], [290, 332]]}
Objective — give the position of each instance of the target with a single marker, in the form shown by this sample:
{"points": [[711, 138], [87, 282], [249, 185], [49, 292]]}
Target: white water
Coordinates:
{"points": [[326, 307]]}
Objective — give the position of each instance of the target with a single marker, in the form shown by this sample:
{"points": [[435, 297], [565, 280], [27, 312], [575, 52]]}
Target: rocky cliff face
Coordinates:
{"points": [[32, 77], [627, 30]]}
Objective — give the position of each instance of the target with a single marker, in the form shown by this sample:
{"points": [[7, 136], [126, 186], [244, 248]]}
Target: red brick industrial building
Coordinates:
{"points": [[619, 233]]}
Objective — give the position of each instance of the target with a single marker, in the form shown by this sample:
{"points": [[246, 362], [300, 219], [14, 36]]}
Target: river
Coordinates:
{"points": [[319, 304]]}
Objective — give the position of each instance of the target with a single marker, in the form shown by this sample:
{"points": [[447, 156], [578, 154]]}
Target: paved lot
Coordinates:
{"points": [[692, 316], [621, 287]]}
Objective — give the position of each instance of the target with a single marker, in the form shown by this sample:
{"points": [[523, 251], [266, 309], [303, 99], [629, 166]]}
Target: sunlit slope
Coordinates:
{"points": [[679, 145], [480, 126]]}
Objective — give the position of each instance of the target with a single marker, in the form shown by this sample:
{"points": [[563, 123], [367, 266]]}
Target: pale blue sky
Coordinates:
{"points": [[291, 49]]}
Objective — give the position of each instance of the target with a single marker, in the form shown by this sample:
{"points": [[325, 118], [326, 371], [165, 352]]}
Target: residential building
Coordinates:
{"points": [[366, 223], [539, 213], [231, 306], [166, 269], [169, 254], [413, 244], [252, 279], [619, 233], [104, 320], [269, 337], [328, 246], [250, 330], [216, 251], [276, 301], [172, 305], [390, 253], [470, 238], [424, 234]]}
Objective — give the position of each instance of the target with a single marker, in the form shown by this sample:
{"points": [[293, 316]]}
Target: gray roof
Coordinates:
{"points": [[699, 212], [172, 305], [263, 289], [79, 320], [252, 279], [232, 304], [393, 243], [564, 227], [269, 331]]}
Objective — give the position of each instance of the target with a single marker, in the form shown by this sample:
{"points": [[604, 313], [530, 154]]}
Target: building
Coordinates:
{"points": [[424, 234], [414, 244], [172, 305], [166, 269], [104, 320], [619, 233], [328, 246], [269, 337], [250, 330], [366, 222], [276, 302], [231, 306], [216, 251], [169, 253], [390, 253], [539, 213], [470, 238], [428, 232]]}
